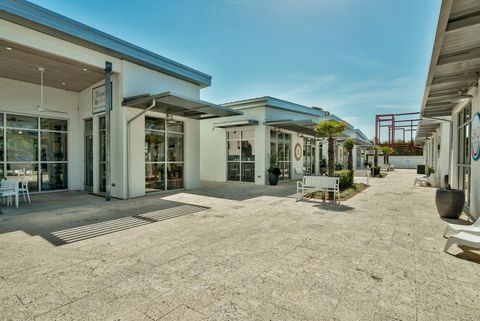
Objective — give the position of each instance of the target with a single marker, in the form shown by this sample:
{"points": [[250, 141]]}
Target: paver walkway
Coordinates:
{"points": [[376, 257]]}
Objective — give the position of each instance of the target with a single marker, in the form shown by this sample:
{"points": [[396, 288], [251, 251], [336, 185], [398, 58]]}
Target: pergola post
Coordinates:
{"points": [[108, 109]]}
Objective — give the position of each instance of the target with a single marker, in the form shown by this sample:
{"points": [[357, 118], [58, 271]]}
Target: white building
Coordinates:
{"points": [[239, 148], [450, 130], [63, 143]]}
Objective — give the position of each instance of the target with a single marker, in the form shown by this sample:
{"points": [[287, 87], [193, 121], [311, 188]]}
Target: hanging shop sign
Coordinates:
{"points": [[99, 99]]}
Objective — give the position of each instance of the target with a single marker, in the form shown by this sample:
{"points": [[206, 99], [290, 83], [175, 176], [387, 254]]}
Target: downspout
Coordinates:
{"points": [[143, 112], [450, 143]]}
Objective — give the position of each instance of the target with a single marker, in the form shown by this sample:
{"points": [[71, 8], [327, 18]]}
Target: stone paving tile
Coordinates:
{"points": [[375, 257]]}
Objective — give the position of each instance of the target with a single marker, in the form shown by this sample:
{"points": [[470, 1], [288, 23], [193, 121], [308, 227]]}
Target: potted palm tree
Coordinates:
{"points": [[330, 129], [273, 171]]}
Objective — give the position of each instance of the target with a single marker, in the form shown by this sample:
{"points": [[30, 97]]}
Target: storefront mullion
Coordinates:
{"points": [[35, 147], [241, 155], [280, 146], [164, 154], [464, 149]]}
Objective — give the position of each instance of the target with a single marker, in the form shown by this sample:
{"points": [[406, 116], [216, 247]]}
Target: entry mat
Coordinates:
{"points": [[84, 232]]}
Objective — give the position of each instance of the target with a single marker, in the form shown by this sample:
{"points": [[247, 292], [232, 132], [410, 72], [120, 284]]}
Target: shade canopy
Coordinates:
{"points": [[236, 123], [178, 105], [305, 127]]}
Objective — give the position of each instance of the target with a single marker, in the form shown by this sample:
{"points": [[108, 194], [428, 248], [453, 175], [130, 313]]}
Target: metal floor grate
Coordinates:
{"points": [[97, 229]]}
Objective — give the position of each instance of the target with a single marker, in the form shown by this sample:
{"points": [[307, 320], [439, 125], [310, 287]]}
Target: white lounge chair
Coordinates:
{"points": [[422, 180], [455, 228], [462, 238]]}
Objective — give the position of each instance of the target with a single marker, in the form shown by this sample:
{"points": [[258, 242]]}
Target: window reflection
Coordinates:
{"points": [[164, 154], [22, 145], [241, 155]]}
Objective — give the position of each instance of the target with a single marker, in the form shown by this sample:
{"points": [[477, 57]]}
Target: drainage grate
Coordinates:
{"points": [[93, 230]]}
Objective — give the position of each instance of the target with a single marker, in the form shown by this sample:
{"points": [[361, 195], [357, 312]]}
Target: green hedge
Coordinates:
{"points": [[346, 178]]}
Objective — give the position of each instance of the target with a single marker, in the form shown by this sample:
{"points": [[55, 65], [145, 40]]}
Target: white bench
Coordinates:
{"points": [[385, 167], [312, 184]]}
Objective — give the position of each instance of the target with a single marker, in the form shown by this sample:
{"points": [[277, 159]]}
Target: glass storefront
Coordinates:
{"points": [[241, 155], [36, 147], [102, 165], [280, 145], [164, 154], [464, 150], [309, 156]]}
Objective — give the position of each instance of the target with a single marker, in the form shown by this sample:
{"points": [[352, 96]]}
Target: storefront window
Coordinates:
{"points": [[164, 154], [464, 149], [280, 145], [241, 155], [35, 147]]}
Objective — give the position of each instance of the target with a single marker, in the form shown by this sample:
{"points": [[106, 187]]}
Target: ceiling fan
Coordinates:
{"points": [[41, 107]]}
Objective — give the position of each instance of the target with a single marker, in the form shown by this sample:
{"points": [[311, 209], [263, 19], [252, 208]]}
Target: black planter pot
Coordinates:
{"points": [[449, 202], [273, 179]]}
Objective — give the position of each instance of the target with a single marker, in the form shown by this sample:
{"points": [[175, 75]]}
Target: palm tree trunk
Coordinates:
{"points": [[331, 157]]}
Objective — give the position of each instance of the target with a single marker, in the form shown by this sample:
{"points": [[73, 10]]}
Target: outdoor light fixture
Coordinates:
{"points": [[462, 96]]}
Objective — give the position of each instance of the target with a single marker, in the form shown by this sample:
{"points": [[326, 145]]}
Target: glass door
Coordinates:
{"points": [[280, 146], [241, 155], [88, 185]]}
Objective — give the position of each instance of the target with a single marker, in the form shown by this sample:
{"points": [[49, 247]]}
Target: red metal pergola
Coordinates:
{"points": [[401, 130]]}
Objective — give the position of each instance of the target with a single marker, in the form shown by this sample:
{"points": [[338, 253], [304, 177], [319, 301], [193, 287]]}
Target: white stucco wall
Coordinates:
{"points": [[138, 80], [475, 167]]}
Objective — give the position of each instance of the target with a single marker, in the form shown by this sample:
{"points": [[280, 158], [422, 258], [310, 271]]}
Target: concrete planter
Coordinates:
{"points": [[450, 202]]}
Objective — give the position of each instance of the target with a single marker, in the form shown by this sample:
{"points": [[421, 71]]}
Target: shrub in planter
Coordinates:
{"points": [[375, 171], [429, 171], [346, 178], [338, 166]]}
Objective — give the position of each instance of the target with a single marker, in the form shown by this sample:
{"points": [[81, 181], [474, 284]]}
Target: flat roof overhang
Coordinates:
{"points": [[178, 105], [455, 62], [21, 63], [236, 123]]}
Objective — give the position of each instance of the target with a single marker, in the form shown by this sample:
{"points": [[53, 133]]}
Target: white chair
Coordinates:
{"points": [[24, 189], [462, 238], [9, 188], [456, 228]]}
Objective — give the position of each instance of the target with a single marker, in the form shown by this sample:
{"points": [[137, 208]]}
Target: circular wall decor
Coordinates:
{"points": [[476, 137], [298, 151]]}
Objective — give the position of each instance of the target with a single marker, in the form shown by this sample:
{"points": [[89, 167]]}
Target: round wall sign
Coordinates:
{"points": [[298, 151], [476, 137]]}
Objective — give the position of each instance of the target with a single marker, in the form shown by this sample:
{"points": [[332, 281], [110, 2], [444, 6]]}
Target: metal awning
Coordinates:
{"points": [[425, 130], [455, 62], [236, 123], [305, 127], [178, 105]]}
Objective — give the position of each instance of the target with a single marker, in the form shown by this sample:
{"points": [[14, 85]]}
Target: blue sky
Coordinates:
{"points": [[355, 58]]}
